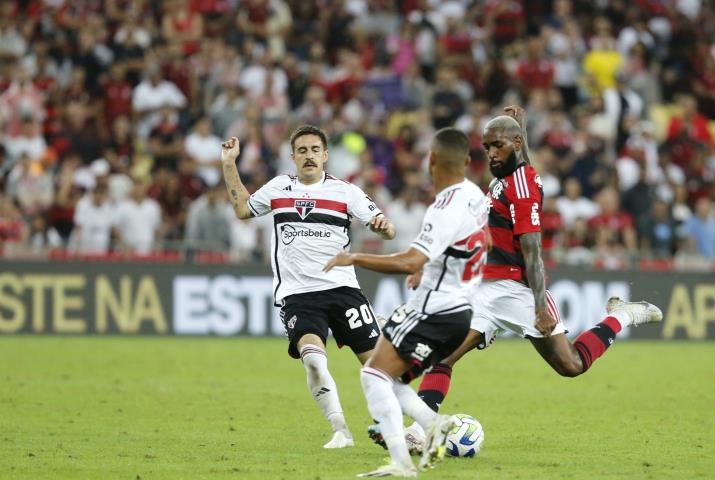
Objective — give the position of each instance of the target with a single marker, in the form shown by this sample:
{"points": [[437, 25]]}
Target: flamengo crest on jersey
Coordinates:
{"points": [[514, 209], [311, 223], [454, 239]]}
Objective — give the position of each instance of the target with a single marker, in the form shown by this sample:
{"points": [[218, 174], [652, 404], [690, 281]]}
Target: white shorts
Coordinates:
{"points": [[503, 305]]}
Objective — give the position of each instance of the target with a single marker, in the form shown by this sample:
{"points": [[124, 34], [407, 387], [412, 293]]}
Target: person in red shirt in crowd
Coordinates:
{"points": [[116, 95], [690, 123], [181, 25], [613, 223], [534, 71]]}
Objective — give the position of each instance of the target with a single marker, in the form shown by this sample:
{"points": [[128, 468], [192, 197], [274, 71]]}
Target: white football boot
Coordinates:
{"points": [[392, 470], [631, 314], [340, 440], [435, 448]]}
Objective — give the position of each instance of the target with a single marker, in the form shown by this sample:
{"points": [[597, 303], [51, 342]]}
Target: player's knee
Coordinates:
{"points": [[568, 368]]}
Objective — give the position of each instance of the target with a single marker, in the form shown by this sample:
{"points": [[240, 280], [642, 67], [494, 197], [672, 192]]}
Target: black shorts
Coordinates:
{"points": [[424, 340], [343, 310]]}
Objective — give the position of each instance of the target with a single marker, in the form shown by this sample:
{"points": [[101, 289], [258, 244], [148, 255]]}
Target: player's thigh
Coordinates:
{"points": [[305, 321], [508, 305], [352, 320], [473, 340], [386, 359]]}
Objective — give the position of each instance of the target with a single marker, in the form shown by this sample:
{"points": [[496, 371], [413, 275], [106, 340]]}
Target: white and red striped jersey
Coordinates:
{"points": [[453, 236], [311, 223]]}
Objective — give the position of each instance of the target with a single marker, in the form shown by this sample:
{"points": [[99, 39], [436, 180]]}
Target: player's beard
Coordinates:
{"points": [[506, 168]]}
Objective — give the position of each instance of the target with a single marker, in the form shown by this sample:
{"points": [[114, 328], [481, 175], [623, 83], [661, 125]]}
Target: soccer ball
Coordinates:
{"points": [[466, 437]]}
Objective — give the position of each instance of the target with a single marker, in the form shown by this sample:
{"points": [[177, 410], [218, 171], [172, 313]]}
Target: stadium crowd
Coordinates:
{"points": [[112, 114]]}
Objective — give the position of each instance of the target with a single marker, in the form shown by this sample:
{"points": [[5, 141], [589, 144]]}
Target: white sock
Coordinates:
{"points": [[385, 409], [413, 406], [322, 387]]}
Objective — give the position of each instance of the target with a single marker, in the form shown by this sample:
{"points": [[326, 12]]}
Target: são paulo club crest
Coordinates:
{"points": [[304, 207]]}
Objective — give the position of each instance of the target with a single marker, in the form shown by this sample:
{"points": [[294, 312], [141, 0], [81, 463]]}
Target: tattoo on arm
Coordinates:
{"points": [[531, 248], [238, 192]]}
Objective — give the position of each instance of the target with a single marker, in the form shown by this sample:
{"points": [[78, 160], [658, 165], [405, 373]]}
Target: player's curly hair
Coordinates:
{"points": [[308, 130]]}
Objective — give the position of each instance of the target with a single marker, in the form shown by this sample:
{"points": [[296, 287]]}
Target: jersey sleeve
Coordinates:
{"points": [[525, 205], [360, 204], [439, 231], [260, 202]]}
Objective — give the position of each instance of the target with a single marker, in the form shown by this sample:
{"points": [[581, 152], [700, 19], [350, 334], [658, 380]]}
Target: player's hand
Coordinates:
{"points": [[342, 259], [414, 280], [545, 323], [380, 224], [230, 150], [517, 113]]}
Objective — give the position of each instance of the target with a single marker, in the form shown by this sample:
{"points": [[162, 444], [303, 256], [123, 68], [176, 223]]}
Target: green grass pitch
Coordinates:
{"points": [[213, 408]]}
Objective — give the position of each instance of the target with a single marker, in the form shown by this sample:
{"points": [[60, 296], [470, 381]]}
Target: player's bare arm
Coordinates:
{"points": [[519, 114], [381, 225], [237, 192], [531, 249], [410, 261]]}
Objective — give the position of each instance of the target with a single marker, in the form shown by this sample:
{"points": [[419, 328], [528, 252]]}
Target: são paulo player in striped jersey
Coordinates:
{"points": [[513, 294], [435, 321], [312, 212]]}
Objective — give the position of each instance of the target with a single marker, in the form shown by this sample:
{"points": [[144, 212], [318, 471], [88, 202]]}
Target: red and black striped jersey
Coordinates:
{"points": [[514, 209]]}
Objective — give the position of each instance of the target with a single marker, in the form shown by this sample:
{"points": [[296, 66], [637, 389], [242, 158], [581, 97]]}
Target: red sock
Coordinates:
{"points": [[435, 385], [593, 343]]}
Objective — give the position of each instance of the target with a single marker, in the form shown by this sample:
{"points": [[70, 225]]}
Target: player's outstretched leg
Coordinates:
{"points": [[571, 360], [325, 393], [593, 343]]}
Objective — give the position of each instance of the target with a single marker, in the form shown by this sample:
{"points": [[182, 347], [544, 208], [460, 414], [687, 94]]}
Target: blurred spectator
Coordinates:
{"points": [[700, 229], [204, 149], [572, 205], [94, 218], [535, 71], [612, 227], [116, 94], [21, 101], [659, 231], [406, 212], [181, 26], [603, 61], [447, 102], [30, 185], [638, 201], [623, 106], [150, 96], [208, 225], [166, 143], [28, 142], [138, 219], [12, 227]]}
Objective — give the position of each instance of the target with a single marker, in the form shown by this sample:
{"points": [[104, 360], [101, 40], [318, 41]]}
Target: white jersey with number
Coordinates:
{"points": [[311, 223], [453, 236]]}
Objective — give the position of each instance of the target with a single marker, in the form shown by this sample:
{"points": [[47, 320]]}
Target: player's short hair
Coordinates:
{"points": [[504, 122], [308, 130], [451, 146]]}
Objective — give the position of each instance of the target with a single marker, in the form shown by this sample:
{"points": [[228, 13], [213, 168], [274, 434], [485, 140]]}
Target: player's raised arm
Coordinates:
{"points": [[410, 261], [519, 114], [237, 192], [381, 225], [531, 249]]}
